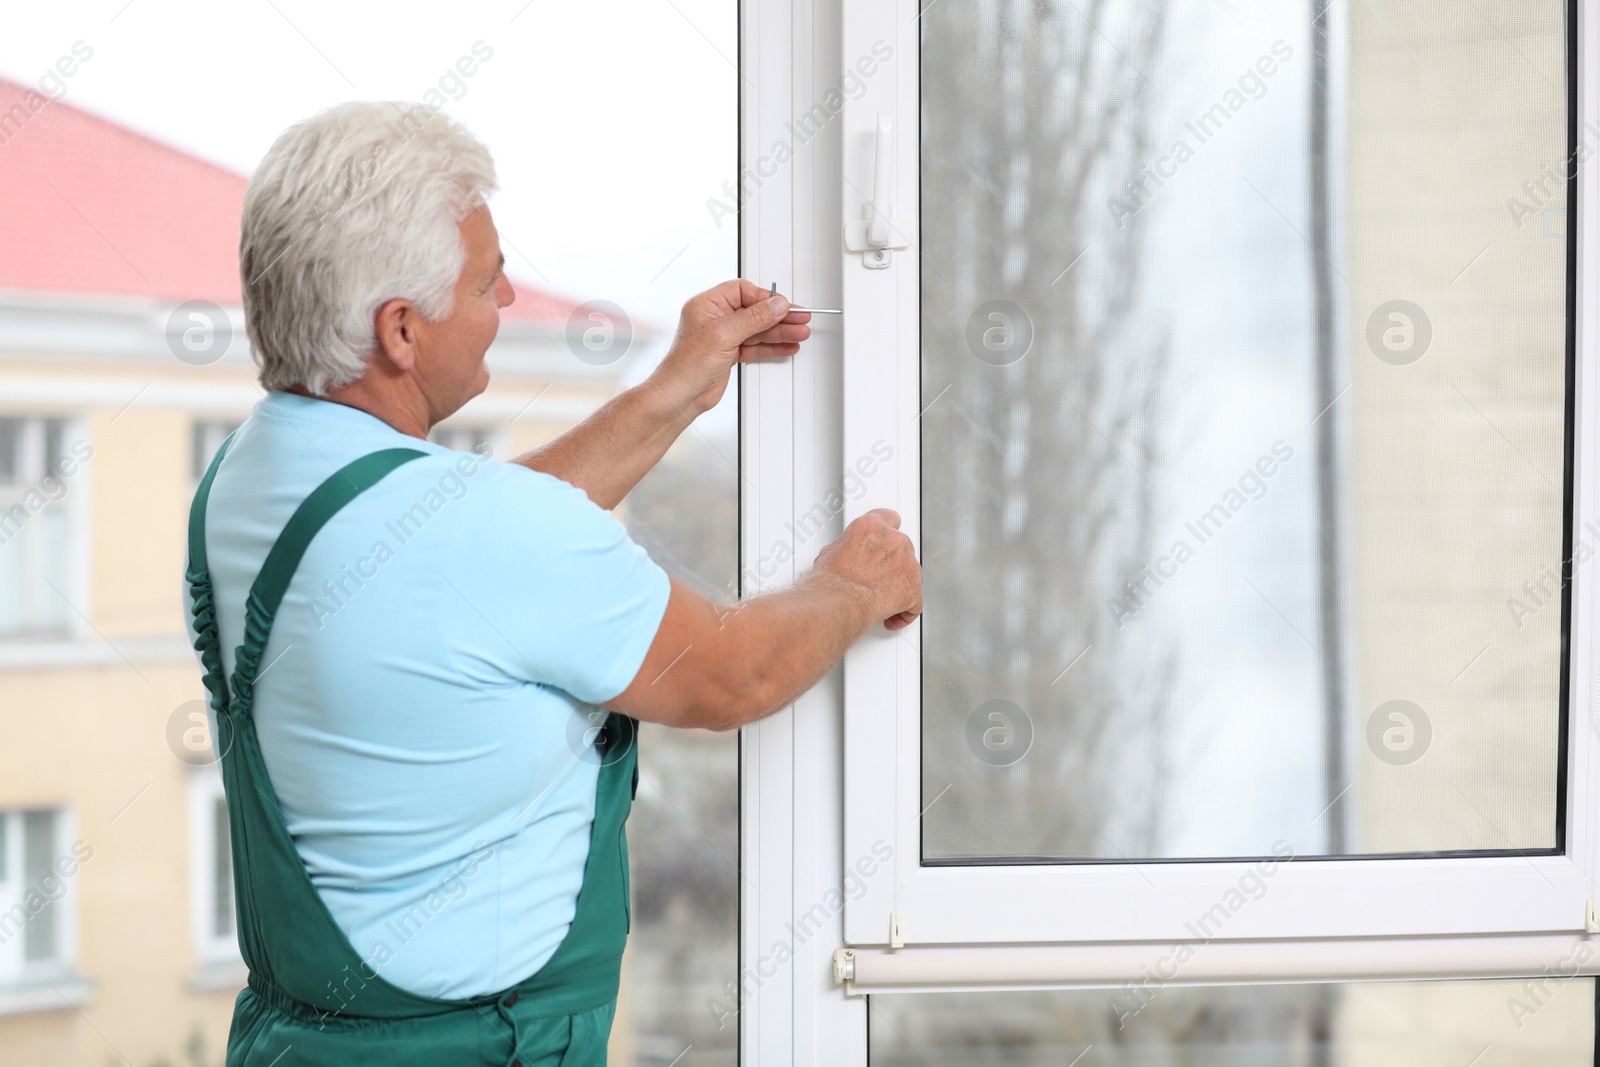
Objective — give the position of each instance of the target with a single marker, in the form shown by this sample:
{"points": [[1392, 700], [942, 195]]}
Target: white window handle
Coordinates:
{"points": [[880, 230], [882, 183]]}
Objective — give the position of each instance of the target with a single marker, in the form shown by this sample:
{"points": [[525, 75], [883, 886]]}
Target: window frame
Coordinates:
{"points": [[790, 768], [1545, 900]]}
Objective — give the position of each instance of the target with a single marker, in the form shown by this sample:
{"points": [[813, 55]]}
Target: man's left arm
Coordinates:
{"points": [[606, 454]]}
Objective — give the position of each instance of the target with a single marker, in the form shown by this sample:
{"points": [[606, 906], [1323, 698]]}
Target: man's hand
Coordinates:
{"points": [[606, 454], [878, 560], [735, 322], [720, 668]]}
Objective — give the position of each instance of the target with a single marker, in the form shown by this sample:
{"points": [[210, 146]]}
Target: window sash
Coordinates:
{"points": [[41, 939], [1145, 901]]}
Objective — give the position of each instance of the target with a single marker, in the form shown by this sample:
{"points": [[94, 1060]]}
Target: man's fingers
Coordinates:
{"points": [[890, 517], [749, 321], [783, 333], [724, 299], [746, 314], [750, 293], [757, 353]]}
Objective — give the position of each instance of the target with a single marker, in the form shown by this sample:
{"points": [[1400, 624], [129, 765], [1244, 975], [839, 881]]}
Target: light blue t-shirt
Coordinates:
{"points": [[419, 698]]}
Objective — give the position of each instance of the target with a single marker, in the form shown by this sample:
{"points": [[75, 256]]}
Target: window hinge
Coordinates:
{"points": [[897, 933], [844, 970], [1591, 915]]}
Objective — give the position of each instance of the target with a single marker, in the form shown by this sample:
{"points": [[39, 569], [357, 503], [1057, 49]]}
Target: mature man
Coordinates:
{"points": [[408, 647]]}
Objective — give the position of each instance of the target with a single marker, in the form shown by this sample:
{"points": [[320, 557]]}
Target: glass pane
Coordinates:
{"points": [[1547, 1022], [55, 439], [42, 886], [52, 544], [11, 451], [1244, 365], [13, 569], [15, 514], [221, 871], [33, 526]]}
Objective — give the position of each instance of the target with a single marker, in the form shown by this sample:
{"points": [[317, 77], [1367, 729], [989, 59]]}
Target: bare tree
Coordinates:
{"points": [[1038, 474]]}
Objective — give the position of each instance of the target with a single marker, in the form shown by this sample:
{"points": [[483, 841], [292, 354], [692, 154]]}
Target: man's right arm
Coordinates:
{"points": [[719, 668]]}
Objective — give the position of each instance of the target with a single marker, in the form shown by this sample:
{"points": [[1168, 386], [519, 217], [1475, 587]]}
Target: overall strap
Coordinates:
{"points": [[198, 575]]}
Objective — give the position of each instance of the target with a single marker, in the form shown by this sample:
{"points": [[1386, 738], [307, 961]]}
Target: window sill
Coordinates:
{"points": [[31, 995], [43, 653], [217, 977]]}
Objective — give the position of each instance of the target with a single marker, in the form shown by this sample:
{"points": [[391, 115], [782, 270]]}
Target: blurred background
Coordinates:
{"points": [[128, 132]]}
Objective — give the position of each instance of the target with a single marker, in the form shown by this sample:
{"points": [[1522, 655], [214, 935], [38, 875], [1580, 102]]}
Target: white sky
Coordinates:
{"points": [[611, 123]]}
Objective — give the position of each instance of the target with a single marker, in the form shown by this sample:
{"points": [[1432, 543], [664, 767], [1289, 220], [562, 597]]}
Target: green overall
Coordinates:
{"points": [[311, 998]]}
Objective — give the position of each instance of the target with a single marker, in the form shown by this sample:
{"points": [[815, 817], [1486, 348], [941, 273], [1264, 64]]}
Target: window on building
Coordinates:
{"points": [[39, 864], [38, 467]]}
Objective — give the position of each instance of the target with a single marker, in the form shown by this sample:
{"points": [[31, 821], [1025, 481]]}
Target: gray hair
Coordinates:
{"points": [[352, 208]]}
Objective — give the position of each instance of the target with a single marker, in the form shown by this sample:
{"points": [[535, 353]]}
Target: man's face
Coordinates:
{"points": [[450, 352]]}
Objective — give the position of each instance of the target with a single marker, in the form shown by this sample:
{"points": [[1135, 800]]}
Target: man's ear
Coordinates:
{"points": [[397, 334]]}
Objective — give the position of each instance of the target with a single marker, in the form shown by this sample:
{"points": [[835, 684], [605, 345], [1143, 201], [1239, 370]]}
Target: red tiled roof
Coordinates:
{"points": [[87, 206]]}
